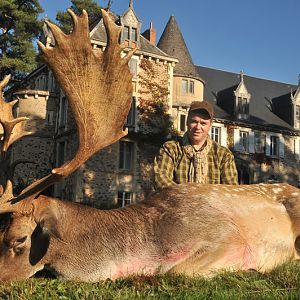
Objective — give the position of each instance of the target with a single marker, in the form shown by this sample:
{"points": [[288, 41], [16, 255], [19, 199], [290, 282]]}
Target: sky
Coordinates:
{"points": [[259, 37]]}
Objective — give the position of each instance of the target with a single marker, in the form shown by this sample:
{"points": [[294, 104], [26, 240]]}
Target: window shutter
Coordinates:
{"points": [[236, 137], [297, 148], [224, 136], [281, 146], [268, 144], [251, 142]]}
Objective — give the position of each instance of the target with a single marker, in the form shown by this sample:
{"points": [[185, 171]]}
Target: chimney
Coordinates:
{"points": [[150, 35]]}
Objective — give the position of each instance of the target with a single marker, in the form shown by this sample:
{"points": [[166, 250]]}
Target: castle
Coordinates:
{"points": [[258, 119]]}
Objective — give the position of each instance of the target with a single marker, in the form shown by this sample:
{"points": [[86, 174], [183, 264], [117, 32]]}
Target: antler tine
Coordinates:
{"points": [[98, 86], [12, 131], [4, 83], [12, 127]]}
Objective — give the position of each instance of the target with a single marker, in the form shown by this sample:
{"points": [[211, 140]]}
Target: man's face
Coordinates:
{"points": [[199, 125]]}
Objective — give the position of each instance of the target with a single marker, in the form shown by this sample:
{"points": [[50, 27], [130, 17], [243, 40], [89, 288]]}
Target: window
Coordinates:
{"points": [[184, 86], [216, 134], [192, 87], [298, 113], [40, 83], [182, 125], [126, 33], [131, 115], [274, 145], [49, 117], [297, 148], [130, 33], [63, 112], [133, 67], [244, 141], [124, 198], [188, 86], [133, 34], [61, 153], [126, 155], [297, 116], [242, 108], [52, 82]]}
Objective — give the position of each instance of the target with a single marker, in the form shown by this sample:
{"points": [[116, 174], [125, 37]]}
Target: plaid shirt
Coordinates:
{"points": [[172, 165]]}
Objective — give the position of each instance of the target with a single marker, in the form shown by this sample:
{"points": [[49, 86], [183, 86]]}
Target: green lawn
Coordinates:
{"points": [[282, 283]]}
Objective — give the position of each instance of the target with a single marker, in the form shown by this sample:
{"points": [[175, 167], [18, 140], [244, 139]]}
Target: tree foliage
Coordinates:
{"points": [[64, 20], [19, 26]]}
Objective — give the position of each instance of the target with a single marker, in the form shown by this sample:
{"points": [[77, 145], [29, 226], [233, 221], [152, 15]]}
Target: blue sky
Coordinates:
{"points": [[260, 37]]}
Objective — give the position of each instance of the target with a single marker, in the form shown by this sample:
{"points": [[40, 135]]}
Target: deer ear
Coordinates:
{"points": [[48, 220]]}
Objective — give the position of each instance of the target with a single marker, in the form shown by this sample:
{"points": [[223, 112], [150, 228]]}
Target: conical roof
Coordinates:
{"points": [[172, 43]]}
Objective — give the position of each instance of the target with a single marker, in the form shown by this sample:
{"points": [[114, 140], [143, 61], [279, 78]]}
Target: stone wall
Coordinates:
{"points": [[145, 174], [38, 147], [99, 179], [39, 151]]}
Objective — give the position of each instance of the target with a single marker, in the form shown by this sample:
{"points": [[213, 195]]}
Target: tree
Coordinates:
{"points": [[64, 19], [19, 26]]}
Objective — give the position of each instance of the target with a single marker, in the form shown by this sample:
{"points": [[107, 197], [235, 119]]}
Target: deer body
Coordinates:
{"points": [[189, 229]]}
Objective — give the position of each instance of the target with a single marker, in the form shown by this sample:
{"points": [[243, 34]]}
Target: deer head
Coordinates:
{"points": [[98, 86]]}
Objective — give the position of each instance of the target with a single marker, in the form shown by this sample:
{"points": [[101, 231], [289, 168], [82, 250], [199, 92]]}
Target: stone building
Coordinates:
{"points": [[258, 119]]}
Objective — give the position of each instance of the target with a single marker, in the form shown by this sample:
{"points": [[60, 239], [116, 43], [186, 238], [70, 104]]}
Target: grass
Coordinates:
{"points": [[282, 283]]}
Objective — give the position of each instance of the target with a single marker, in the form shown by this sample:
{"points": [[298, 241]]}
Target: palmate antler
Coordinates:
{"points": [[98, 85]]}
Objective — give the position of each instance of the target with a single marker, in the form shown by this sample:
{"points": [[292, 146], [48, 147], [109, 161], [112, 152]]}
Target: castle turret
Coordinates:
{"points": [[188, 86]]}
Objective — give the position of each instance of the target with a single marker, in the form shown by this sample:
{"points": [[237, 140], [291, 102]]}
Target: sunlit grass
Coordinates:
{"points": [[282, 283]]}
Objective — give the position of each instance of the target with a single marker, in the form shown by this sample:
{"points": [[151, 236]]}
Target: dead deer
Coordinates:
{"points": [[189, 229]]}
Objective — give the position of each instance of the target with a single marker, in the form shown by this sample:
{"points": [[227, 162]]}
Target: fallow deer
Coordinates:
{"points": [[189, 229]]}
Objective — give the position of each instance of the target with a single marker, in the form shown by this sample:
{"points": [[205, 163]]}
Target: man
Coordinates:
{"points": [[196, 158]]}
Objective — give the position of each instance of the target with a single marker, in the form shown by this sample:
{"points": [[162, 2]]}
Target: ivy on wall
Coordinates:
{"points": [[153, 101]]}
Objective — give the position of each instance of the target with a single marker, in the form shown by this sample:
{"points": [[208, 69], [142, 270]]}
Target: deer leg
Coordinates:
{"points": [[229, 256]]}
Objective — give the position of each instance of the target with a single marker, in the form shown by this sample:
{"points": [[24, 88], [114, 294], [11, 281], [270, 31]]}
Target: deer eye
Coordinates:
{"points": [[19, 251], [19, 245]]}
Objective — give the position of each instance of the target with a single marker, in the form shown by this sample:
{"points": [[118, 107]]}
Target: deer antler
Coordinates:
{"points": [[98, 85], [12, 127], [12, 131]]}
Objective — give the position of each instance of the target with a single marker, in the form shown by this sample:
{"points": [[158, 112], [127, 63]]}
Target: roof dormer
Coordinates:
{"points": [[242, 100], [132, 27], [296, 106]]}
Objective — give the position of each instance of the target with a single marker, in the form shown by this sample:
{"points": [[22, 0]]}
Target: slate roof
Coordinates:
{"points": [[220, 87], [172, 42], [99, 34]]}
